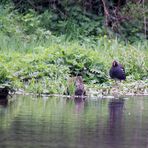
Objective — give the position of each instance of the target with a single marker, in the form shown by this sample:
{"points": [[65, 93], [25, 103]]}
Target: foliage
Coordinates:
{"points": [[73, 20], [133, 29], [81, 18], [47, 70], [4, 75], [35, 59]]}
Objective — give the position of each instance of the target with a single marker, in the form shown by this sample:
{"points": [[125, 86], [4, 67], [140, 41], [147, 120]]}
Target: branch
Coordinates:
{"points": [[105, 8]]}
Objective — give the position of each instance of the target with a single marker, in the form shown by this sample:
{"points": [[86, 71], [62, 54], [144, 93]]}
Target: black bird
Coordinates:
{"points": [[4, 92], [117, 71]]}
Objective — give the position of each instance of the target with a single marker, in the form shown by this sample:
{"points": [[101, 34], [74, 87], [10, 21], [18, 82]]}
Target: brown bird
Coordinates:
{"points": [[80, 90]]}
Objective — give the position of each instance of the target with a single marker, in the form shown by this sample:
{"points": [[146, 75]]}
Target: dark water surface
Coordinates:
{"points": [[29, 122]]}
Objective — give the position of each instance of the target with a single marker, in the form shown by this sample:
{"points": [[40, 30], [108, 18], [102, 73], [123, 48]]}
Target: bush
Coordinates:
{"points": [[35, 59], [133, 29]]}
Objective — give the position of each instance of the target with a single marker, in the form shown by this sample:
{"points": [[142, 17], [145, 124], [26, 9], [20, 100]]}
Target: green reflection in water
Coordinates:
{"points": [[60, 122]]}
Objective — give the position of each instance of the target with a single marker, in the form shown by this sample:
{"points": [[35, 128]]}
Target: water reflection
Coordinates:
{"points": [[115, 126], [3, 102], [116, 107], [74, 123], [79, 104]]}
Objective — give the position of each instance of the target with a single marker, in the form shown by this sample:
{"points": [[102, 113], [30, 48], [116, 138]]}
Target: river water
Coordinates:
{"points": [[54, 122]]}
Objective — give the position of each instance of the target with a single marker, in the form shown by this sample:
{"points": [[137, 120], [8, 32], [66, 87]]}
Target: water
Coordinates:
{"points": [[29, 122]]}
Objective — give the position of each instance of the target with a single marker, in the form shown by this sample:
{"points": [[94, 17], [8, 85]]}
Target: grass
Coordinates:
{"points": [[46, 70], [42, 63]]}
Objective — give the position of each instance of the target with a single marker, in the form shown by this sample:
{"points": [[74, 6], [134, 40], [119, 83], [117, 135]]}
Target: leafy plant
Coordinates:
{"points": [[35, 59]]}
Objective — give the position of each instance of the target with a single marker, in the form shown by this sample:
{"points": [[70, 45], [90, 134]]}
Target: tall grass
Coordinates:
{"points": [[48, 69], [41, 62]]}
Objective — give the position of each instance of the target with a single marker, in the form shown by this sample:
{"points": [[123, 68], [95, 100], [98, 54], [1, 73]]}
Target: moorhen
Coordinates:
{"points": [[117, 71], [4, 92], [79, 91]]}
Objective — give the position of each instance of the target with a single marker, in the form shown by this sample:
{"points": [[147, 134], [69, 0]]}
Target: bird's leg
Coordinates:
{"points": [[120, 84], [117, 86], [115, 89], [116, 83]]}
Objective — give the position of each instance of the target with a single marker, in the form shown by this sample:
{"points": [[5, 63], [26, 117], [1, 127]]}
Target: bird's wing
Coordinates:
{"points": [[121, 66]]}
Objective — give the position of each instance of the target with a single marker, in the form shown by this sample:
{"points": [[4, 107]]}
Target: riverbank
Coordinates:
{"points": [[47, 70], [122, 90], [37, 61]]}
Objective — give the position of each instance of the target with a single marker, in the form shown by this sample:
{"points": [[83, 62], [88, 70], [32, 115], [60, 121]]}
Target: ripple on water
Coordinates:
{"points": [[60, 122]]}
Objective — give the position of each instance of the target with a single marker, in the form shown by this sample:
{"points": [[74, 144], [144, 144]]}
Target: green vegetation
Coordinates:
{"points": [[39, 52]]}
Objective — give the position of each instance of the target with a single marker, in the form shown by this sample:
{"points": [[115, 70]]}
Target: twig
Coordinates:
{"points": [[144, 19], [106, 12]]}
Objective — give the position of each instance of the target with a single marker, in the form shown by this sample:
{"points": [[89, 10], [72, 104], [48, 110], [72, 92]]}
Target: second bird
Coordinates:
{"points": [[117, 71]]}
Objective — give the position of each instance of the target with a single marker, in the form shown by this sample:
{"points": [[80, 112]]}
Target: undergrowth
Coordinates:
{"points": [[35, 59], [48, 70]]}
